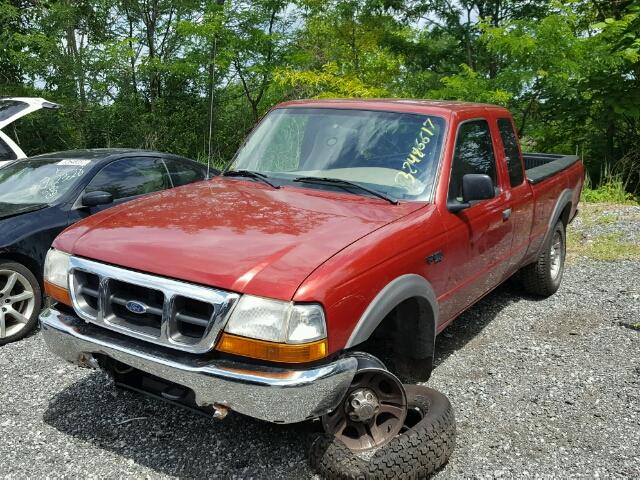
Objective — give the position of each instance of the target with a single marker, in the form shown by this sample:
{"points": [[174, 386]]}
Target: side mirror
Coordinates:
{"points": [[475, 186], [94, 199]]}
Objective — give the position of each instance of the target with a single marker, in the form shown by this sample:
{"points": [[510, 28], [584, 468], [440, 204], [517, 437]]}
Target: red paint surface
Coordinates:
{"points": [[333, 248]]}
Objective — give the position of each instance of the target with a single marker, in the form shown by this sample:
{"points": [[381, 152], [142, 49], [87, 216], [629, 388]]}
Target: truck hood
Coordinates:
{"points": [[232, 234]]}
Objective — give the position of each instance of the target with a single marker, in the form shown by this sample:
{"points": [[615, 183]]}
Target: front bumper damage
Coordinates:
{"points": [[274, 394]]}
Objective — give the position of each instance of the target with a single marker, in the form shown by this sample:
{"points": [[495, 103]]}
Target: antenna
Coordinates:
{"points": [[211, 97], [211, 101]]}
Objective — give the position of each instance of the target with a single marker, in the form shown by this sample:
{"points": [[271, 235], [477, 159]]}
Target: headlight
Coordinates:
{"points": [[277, 321], [56, 276], [275, 330]]}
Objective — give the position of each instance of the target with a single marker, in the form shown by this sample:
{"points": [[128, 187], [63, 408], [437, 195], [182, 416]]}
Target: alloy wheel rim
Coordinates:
{"points": [[556, 255], [17, 302]]}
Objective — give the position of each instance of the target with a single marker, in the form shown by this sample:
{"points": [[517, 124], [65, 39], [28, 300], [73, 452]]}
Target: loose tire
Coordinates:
{"points": [[543, 277], [423, 447], [20, 301]]}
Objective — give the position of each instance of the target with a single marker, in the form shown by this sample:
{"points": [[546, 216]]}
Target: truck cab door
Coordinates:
{"points": [[479, 237], [519, 192]]}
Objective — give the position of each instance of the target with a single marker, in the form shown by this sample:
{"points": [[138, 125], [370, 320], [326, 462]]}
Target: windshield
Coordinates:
{"points": [[39, 181], [396, 154]]}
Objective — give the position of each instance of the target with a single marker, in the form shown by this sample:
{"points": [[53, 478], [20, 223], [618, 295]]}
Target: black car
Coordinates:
{"points": [[42, 195]]}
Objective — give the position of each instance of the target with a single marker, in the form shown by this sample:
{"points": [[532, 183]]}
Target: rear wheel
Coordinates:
{"points": [[543, 277], [20, 301]]}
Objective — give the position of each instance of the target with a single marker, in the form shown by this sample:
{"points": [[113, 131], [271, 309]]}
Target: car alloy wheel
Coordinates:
{"points": [[17, 303]]}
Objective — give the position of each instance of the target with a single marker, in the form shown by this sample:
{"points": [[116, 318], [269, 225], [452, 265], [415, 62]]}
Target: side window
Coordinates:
{"points": [[130, 177], [511, 151], [473, 154], [183, 172]]}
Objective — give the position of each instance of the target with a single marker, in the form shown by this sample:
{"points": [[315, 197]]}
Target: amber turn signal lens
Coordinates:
{"points": [[59, 294], [271, 351]]}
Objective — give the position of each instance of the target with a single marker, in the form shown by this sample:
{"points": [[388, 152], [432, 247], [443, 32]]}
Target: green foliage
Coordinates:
{"points": [[470, 86], [163, 73], [326, 82], [610, 192], [612, 189]]}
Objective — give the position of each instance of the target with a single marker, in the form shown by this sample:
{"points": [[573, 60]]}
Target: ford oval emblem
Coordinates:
{"points": [[136, 307]]}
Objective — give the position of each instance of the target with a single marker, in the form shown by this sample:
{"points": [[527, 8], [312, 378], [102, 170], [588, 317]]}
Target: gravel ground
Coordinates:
{"points": [[544, 388], [596, 220]]}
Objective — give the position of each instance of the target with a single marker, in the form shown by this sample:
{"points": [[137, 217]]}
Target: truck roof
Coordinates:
{"points": [[395, 104]]}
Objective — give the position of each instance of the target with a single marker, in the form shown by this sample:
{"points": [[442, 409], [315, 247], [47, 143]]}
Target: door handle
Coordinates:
{"points": [[506, 214]]}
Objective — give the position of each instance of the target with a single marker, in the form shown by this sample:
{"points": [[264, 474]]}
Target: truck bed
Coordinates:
{"points": [[540, 166]]}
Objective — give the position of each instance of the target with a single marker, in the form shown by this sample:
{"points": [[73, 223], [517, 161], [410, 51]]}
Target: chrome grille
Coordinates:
{"points": [[171, 313]]}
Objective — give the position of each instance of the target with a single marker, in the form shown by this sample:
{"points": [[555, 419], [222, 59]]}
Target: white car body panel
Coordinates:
{"points": [[10, 115]]}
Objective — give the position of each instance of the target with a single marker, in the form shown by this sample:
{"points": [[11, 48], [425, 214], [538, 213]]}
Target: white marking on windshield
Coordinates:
{"points": [[74, 163]]}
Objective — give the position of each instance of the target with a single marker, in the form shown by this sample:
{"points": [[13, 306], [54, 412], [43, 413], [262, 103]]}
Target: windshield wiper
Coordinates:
{"points": [[250, 174], [346, 184]]}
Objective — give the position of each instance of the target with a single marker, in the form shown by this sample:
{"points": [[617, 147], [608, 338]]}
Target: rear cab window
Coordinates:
{"points": [[511, 151], [473, 154]]}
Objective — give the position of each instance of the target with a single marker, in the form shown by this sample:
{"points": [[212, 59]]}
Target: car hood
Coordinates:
{"points": [[19, 226], [232, 234], [12, 209]]}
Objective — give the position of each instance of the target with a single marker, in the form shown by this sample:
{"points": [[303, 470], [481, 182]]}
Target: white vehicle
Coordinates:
{"points": [[11, 109]]}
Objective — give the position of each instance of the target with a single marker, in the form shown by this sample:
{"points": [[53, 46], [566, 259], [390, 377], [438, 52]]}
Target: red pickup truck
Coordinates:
{"points": [[337, 222]]}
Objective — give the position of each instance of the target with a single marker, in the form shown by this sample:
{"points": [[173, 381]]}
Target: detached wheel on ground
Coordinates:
{"points": [[543, 277], [20, 301], [424, 444]]}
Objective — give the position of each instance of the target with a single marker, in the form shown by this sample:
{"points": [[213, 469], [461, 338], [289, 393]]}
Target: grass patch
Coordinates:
{"points": [[612, 189], [605, 219], [609, 193], [602, 247]]}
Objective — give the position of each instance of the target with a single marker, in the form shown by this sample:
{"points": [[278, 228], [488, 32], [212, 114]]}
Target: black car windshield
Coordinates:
{"points": [[40, 181], [393, 153]]}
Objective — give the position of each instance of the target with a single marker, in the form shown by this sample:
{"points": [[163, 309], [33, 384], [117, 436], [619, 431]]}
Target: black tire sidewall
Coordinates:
{"points": [[37, 291], [432, 403]]}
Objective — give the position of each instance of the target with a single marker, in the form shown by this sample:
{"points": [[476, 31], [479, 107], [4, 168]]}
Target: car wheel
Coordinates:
{"points": [[20, 301], [423, 445], [543, 277]]}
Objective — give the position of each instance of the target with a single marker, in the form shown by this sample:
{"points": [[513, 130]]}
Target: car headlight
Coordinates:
{"points": [[56, 276], [275, 330]]}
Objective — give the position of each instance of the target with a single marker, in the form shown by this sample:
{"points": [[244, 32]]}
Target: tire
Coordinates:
{"points": [[20, 301], [543, 277], [424, 447]]}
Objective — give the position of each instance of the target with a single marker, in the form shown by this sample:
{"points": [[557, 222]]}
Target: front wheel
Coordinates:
{"points": [[20, 301], [422, 446], [543, 277]]}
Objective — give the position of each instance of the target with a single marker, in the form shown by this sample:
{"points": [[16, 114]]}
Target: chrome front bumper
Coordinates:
{"points": [[273, 394]]}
